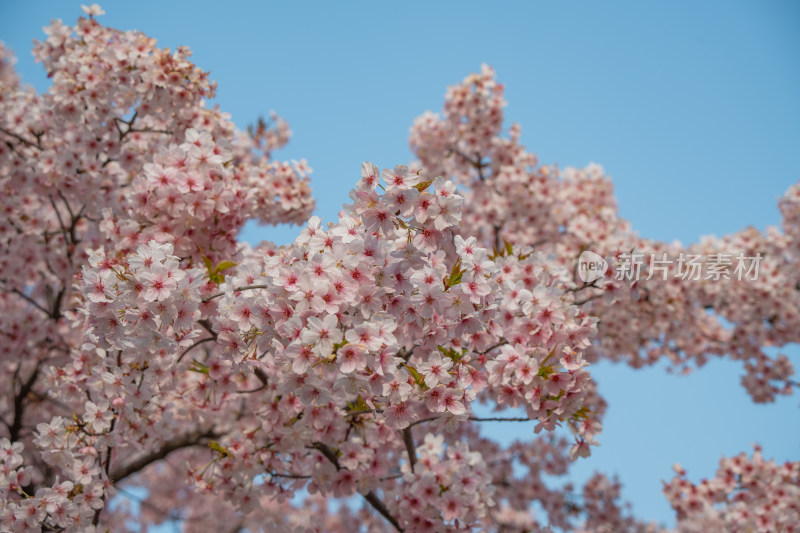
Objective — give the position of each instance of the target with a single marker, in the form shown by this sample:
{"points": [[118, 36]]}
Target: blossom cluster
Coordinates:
{"points": [[314, 362], [401, 322], [453, 484], [657, 314], [747, 494]]}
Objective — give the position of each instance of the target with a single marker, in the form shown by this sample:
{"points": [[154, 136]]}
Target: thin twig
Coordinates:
{"points": [[21, 139], [490, 348], [31, 301], [475, 419], [500, 419], [587, 300], [19, 404], [195, 345], [237, 289]]}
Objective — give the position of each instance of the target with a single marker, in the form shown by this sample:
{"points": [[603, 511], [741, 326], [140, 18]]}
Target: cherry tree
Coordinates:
{"points": [[329, 384]]}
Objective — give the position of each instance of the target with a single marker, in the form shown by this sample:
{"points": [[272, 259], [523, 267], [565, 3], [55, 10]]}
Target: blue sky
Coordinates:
{"points": [[692, 108]]}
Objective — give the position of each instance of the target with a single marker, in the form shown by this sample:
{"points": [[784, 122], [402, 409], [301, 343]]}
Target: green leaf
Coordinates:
{"points": [[424, 185], [217, 447], [224, 265], [358, 406], [339, 345], [417, 378], [545, 371], [198, 367], [582, 413], [208, 263], [455, 274], [451, 353]]}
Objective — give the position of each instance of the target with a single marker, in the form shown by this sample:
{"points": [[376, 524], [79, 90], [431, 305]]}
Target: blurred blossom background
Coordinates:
{"points": [[692, 108]]}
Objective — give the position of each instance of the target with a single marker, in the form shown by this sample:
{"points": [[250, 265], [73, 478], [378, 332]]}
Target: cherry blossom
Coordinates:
{"points": [[747, 494]]}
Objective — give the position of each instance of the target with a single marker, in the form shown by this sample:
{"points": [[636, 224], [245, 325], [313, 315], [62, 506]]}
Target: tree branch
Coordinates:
{"points": [[502, 342], [30, 300], [21, 139], [371, 498], [237, 289], [478, 162], [500, 419], [379, 506], [411, 449], [587, 300], [198, 343], [475, 419], [178, 443], [19, 404]]}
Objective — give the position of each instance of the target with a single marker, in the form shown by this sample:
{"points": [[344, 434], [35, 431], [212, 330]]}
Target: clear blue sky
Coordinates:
{"points": [[692, 107]]}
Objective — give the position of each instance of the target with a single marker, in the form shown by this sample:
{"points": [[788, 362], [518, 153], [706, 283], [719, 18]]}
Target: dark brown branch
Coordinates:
{"points": [[405, 355], [329, 454], [150, 130], [178, 443], [478, 162], [475, 419], [196, 344], [69, 234], [288, 476], [379, 506], [66, 204], [500, 419], [31, 301], [423, 420], [492, 347], [593, 284], [107, 469], [587, 300], [364, 412], [371, 498], [207, 325], [23, 140], [19, 404], [130, 129], [60, 220], [73, 218], [55, 314], [262, 377], [411, 449], [128, 123]]}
